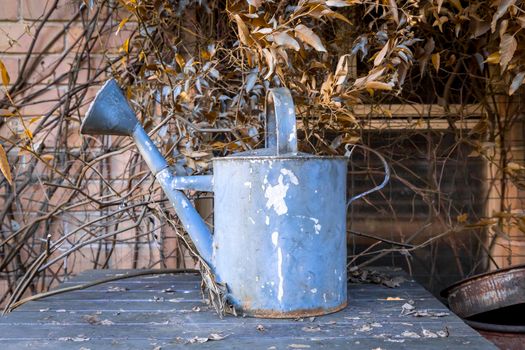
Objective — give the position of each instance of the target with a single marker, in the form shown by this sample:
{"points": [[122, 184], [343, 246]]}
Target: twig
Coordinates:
{"points": [[96, 283]]}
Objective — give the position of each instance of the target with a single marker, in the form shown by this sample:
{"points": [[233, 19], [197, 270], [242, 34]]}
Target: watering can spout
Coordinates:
{"points": [[110, 114]]}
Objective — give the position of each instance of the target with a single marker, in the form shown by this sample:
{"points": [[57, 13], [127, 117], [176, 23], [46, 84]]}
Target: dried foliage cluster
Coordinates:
{"points": [[197, 72]]}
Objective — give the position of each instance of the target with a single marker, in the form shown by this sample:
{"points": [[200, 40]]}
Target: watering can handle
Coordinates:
{"points": [[281, 132], [385, 165]]}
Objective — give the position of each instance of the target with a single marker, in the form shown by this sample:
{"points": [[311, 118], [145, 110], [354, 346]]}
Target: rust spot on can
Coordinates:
{"points": [[295, 313]]}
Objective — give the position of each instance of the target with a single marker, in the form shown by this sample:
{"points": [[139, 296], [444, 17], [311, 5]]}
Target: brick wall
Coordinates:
{"points": [[54, 55]]}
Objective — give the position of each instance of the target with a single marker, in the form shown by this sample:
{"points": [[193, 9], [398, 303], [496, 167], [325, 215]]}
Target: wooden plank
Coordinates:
{"points": [[139, 313], [133, 290], [168, 305], [170, 293], [205, 316], [459, 343], [189, 329]]}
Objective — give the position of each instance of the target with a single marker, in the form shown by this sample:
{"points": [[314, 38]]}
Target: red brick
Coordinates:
{"points": [[9, 10], [32, 198], [108, 41], [122, 257], [120, 165], [74, 33], [41, 104], [50, 67], [5, 129], [88, 97], [85, 258], [37, 9], [17, 38]]}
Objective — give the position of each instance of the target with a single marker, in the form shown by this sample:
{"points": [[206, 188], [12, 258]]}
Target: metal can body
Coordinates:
{"points": [[280, 234]]}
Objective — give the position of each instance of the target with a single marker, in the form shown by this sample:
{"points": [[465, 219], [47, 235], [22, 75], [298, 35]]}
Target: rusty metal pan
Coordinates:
{"points": [[487, 292]]}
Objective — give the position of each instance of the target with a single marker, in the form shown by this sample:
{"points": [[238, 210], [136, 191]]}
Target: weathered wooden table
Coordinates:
{"points": [[166, 312]]}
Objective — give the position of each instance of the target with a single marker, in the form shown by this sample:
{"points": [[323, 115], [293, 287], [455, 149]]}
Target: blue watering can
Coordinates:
{"points": [[279, 240]]}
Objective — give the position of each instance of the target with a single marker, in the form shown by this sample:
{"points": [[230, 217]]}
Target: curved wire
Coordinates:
{"points": [[385, 165]]}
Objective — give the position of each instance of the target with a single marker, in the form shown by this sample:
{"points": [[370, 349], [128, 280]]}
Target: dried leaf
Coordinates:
{"points": [[493, 58], [439, 22], [365, 328], [502, 9], [307, 36], [410, 334], [503, 26], [216, 337], [393, 282], [255, 3], [483, 223], [250, 81], [378, 85], [80, 338], [198, 340], [34, 120], [436, 61], [28, 133], [326, 87], [521, 21], [373, 75], [479, 28], [429, 48], [443, 334], [270, 62], [341, 71], [462, 218], [283, 39], [429, 334], [180, 60], [439, 4], [337, 15], [507, 47], [311, 329], [516, 82], [515, 166], [91, 319], [4, 73], [337, 3], [480, 61], [125, 46], [407, 308], [393, 9], [381, 54], [121, 25], [4, 166], [244, 33]]}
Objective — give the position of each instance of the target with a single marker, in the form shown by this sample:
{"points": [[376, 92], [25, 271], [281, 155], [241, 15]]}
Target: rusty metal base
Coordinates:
{"points": [[293, 314], [508, 337], [507, 341]]}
